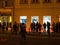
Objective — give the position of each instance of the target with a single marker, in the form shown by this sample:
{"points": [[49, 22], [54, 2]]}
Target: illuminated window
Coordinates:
{"points": [[46, 19], [0, 19], [47, 1], [34, 1], [23, 2], [10, 19], [23, 19], [34, 19]]}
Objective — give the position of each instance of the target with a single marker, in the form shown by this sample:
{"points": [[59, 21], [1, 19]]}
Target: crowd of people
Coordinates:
{"points": [[34, 27], [56, 26], [4, 26]]}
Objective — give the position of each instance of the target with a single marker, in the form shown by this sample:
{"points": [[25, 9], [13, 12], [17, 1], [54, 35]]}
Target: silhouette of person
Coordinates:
{"points": [[48, 28], [23, 31], [44, 26], [57, 27], [4, 26], [15, 28], [37, 26], [31, 26]]}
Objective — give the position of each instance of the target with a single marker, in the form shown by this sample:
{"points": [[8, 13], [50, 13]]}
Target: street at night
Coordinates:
{"points": [[29, 22]]}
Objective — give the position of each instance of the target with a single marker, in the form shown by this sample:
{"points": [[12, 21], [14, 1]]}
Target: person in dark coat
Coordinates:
{"points": [[48, 28], [4, 26], [57, 27], [32, 27], [37, 26], [44, 26], [15, 28], [23, 31]]}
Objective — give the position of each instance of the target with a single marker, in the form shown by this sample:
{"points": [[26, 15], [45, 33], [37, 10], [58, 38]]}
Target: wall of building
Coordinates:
{"points": [[48, 9]]}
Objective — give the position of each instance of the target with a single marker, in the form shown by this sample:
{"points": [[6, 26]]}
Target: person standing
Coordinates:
{"points": [[57, 27], [23, 31], [36, 26], [31, 26], [48, 28], [44, 26], [15, 28]]}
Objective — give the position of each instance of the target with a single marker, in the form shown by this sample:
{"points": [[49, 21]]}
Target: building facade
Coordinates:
{"points": [[28, 11], [41, 10]]}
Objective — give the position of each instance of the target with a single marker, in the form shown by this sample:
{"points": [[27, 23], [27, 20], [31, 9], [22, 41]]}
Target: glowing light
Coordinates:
{"points": [[10, 18], [23, 19], [35, 19], [0, 20]]}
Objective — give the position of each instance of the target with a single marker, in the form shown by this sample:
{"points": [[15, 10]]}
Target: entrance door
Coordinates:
{"points": [[46, 19], [23, 19]]}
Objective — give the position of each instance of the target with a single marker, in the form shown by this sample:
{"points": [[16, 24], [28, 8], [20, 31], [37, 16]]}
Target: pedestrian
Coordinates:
{"points": [[36, 26], [48, 28], [57, 27], [15, 28], [44, 25], [31, 26], [23, 32], [4, 26]]}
